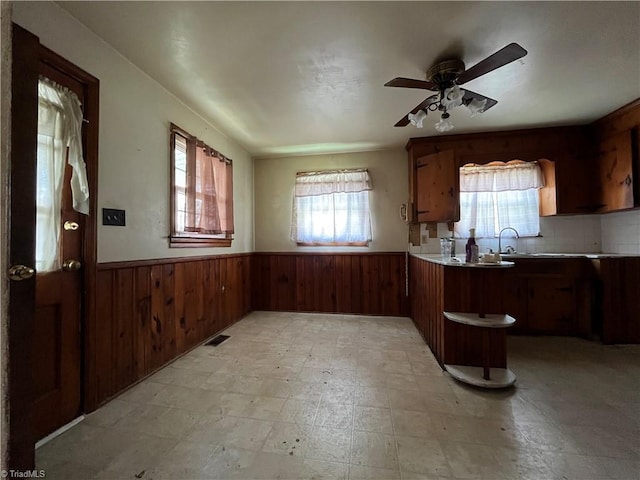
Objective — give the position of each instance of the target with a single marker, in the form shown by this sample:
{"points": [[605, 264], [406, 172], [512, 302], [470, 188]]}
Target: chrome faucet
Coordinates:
{"points": [[500, 240]]}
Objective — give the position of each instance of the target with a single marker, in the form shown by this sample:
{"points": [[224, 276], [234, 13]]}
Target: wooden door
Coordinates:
{"points": [[44, 342], [56, 335], [437, 180]]}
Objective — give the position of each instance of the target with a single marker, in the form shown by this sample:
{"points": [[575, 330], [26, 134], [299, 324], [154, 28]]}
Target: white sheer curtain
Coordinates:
{"points": [[59, 142], [332, 207], [496, 196]]}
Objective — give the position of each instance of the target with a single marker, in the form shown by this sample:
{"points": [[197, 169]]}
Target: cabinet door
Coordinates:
{"points": [[616, 172], [551, 305], [437, 198], [514, 293]]}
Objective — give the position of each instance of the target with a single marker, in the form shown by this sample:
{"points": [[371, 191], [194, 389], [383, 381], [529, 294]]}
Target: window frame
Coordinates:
{"points": [[190, 239], [364, 243]]}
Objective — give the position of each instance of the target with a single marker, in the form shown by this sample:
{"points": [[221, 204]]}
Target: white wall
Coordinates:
{"points": [[135, 112], [562, 234], [621, 232], [275, 178]]}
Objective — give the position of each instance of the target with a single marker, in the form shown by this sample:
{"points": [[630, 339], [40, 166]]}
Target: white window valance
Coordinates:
{"points": [[337, 181], [501, 177]]}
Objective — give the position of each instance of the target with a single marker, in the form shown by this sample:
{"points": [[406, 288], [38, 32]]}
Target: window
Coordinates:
{"points": [[499, 195], [202, 193], [332, 208], [59, 145]]}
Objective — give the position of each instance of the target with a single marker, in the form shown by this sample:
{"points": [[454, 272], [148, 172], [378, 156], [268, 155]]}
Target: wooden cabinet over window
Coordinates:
{"points": [[434, 164]]}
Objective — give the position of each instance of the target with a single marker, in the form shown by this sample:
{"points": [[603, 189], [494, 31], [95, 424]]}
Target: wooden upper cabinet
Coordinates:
{"points": [[436, 188], [615, 168], [617, 156]]}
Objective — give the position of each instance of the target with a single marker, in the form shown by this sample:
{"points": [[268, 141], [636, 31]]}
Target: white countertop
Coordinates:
{"points": [[515, 256], [461, 263]]}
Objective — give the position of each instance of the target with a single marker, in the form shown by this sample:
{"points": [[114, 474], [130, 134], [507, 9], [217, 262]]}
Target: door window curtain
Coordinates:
{"points": [[59, 144], [332, 207], [499, 195]]}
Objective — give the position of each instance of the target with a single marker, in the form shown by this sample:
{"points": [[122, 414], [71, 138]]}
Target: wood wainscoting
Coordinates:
{"points": [[352, 283], [151, 311]]}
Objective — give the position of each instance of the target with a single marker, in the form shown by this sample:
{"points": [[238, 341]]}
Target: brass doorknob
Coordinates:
{"points": [[20, 272], [71, 265], [69, 225]]}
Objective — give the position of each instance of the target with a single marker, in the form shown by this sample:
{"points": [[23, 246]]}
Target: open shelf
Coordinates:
{"points": [[490, 320], [500, 377]]}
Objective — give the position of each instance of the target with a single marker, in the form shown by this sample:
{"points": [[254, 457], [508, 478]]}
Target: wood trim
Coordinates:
{"points": [[24, 118], [176, 241], [506, 134], [165, 261]]}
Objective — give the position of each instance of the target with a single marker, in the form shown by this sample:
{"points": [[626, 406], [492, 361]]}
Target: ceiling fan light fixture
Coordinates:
{"points": [[444, 125], [452, 97], [476, 106], [417, 119]]}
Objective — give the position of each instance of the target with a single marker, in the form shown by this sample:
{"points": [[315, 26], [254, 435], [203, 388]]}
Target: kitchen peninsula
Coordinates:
{"points": [[462, 317]]}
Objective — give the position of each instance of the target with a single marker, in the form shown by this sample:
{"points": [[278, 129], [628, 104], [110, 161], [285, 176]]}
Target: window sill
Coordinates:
{"points": [[193, 242], [332, 244]]}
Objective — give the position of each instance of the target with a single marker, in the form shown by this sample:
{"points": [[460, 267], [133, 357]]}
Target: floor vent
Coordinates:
{"points": [[217, 341]]}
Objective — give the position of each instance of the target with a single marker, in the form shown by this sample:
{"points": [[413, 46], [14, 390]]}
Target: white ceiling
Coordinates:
{"points": [[287, 78]]}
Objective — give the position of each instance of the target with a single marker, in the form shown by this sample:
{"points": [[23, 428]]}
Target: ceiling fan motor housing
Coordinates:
{"points": [[444, 74]]}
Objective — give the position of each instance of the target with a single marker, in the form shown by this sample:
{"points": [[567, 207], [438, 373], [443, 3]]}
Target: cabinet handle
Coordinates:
{"points": [[627, 181], [565, 289]]}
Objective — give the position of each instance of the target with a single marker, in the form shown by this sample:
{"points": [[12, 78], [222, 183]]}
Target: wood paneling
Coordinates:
{"points": [[620, 297], [150, 312], [436, 288], [357, 283]]}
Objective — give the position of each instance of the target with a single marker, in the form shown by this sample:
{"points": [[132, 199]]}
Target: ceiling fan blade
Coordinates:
{"points": [[404, 121], [469, 95], [502, 57], [411, 83]]}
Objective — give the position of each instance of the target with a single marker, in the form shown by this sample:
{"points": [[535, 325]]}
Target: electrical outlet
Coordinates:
{"points": [[111, 216]]}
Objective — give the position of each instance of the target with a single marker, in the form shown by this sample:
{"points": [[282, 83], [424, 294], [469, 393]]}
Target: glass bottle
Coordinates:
{"points": [[470, 243]]}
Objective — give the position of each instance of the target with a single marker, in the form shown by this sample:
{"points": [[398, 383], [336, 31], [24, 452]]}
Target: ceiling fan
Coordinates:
{"points": [[444, 78]]}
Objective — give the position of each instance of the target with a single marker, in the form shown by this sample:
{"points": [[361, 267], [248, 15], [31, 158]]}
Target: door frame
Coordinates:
{"points": [[28, 56]]}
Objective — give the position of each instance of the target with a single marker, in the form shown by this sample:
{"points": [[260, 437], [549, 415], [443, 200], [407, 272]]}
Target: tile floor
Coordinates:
{"points": [[295, 396]]}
